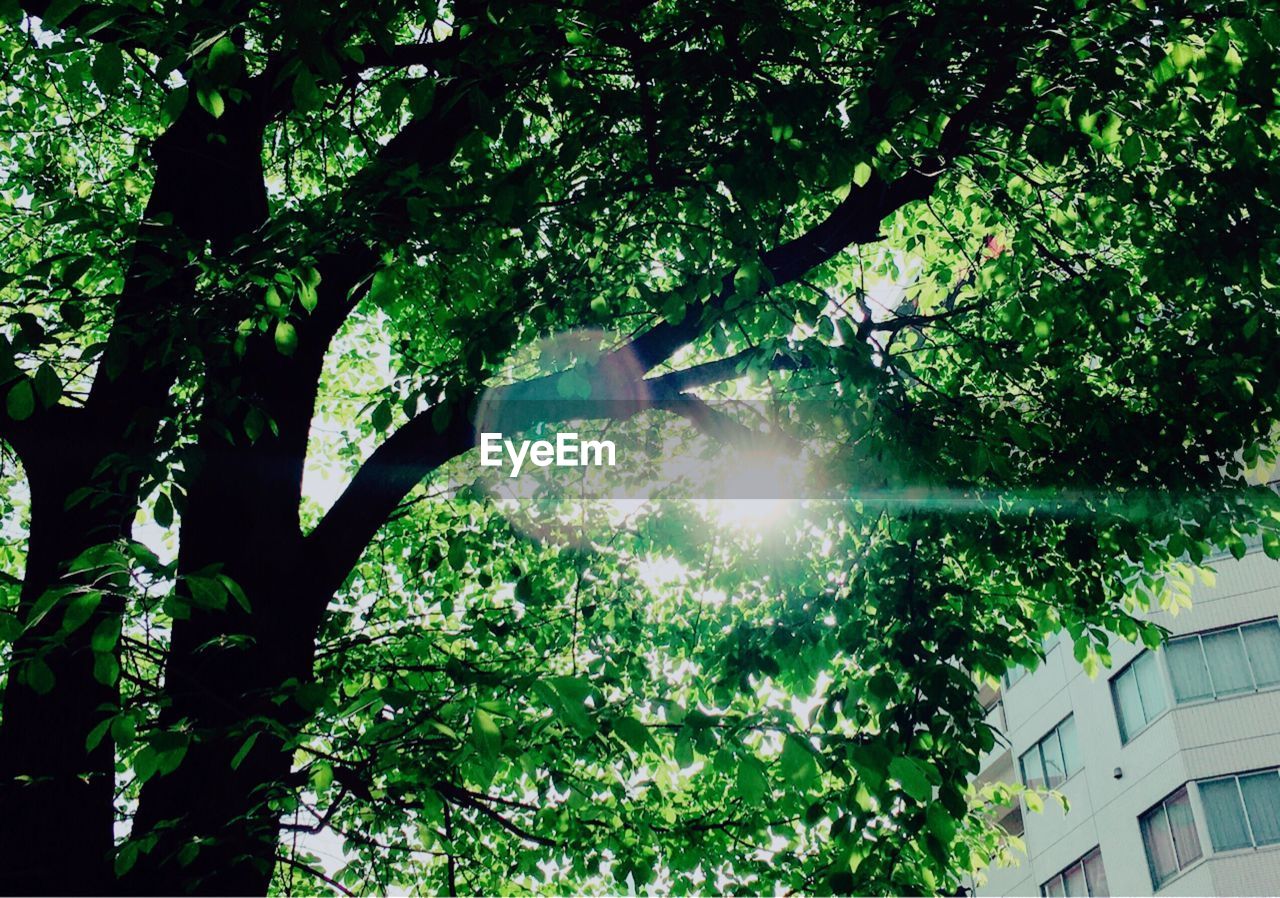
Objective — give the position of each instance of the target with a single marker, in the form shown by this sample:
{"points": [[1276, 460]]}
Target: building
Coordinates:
{"points": [[1169, 759]]}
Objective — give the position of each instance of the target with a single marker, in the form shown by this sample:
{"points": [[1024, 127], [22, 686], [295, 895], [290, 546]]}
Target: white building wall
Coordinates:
{"points": [[1118, 782]]}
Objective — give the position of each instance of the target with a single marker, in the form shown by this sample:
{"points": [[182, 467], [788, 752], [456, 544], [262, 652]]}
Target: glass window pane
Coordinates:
{"points": [[1150, 685], [1185, 840], [1070, 749], [1124, 689], [1262, 800], [1052, 888], [1160, 855], [1054, 770], [1228, 664], [1187, 670], [1032, 772], [1224, 814], [1263, 642], [1095, 874], [1073, 882]]}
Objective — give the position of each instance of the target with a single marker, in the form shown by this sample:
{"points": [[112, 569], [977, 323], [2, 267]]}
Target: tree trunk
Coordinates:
{"points": [[57, 799], [212, 825], [56, 829]]}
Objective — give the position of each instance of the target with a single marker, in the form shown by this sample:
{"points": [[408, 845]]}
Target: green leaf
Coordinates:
{"points": [[224, 60], [206, 592], [96, 735], [106, 669], [632, 732], [163, 511], [243, 753], [942, 824], [236, 592], [753, 782], [798, 766], [457, 554], [39, 676], [58, 11], [21, 401], [108, 68], [485, 734], [1091, 664], [308, 297], [306, 94], [126, 857], [48, 386], [79, 609], [255, 422], [384, 288], [1271, 544], [124, 730], [321, 775], [912, 777], [174, 102], [286, 338], [105, 635], [211, 100]]}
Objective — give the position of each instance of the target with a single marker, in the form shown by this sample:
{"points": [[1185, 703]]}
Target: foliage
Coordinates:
{"points": [[1009, 273]]}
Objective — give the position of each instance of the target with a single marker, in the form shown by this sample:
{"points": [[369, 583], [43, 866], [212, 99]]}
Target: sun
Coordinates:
{"points": [[757, 490]]}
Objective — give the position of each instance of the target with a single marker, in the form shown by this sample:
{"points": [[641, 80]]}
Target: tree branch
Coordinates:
{"points": [[307, 868], [462, 797], [421, 446]]}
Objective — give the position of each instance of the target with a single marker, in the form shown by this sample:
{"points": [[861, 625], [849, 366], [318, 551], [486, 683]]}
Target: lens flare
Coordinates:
{"points": [[759, 489]]}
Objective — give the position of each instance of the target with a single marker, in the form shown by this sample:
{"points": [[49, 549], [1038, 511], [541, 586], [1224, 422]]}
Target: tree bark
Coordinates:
{"points": [[212, 825], [56, 827], [56, 832]]}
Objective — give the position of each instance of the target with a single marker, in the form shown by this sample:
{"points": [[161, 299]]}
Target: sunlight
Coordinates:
{"points": [[657, 572], [758, 491]]}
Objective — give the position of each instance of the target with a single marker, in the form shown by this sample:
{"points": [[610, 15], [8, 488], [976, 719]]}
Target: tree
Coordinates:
{"points": [[226, 222]]}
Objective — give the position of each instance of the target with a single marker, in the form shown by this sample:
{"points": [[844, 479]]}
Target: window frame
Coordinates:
{"points": [[1216, 695], [996, 706], [1161, 807], [1244, 809], [1054, 732], [1131, 669], [1061, 876]]}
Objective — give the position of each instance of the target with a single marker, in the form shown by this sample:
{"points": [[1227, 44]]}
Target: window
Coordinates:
{"points": [[993, 713], [1138, 695], [1242, 811], [1169, 833], [1085, 878], [1012, 821], [1225, 662], [1054, 758], [1014, 674]]}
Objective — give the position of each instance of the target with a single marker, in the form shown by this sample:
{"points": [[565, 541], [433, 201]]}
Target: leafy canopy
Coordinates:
{"points": [[1016, 266]]}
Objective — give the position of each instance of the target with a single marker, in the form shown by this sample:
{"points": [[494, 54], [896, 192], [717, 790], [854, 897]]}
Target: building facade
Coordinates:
{"points": [[1170, 760]]}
